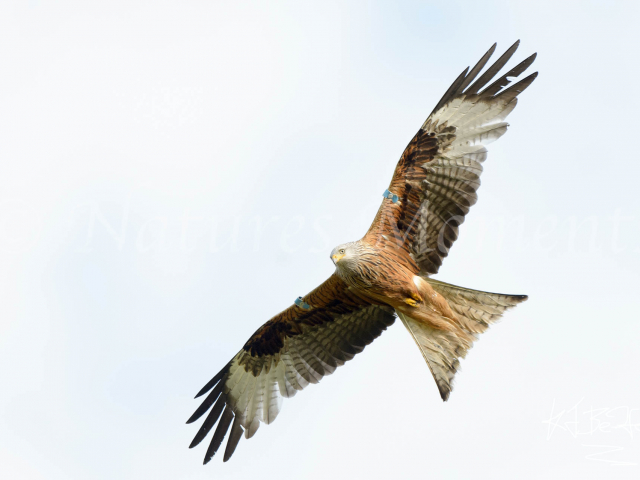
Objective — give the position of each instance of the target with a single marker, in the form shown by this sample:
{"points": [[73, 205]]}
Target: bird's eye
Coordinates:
{"points": [[342, 251]]}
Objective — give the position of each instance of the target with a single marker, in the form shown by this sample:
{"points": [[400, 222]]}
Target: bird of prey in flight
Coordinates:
{"points": [[386, 273]]}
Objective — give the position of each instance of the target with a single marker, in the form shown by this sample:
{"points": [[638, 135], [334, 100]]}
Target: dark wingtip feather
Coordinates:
{"points": [[493, 70], [461, 84], [515, 90], [234, 438], [503, 81], [210, 421], [212, 397], [444, 392], [450, 93], [219, 434], [477, 68], [211, 383]]}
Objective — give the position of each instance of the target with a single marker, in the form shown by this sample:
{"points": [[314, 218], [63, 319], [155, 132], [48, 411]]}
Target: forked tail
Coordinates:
{"points": [[474, 312]]}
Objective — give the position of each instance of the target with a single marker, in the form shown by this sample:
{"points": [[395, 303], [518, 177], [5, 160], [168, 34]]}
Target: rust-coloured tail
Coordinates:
{"points": [[473, 312]]}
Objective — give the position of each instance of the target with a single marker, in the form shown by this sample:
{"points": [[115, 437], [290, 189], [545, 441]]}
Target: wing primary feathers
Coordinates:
{"points": [[493, 69], [503, 81], [234, 438], [515, 90], [476, 70], [212, 397], [213, 381], [452, 90], [209, 422], [218, 436]]}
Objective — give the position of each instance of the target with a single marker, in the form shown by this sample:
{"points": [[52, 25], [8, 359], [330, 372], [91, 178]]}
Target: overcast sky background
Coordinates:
{"points": [[173, 174]]}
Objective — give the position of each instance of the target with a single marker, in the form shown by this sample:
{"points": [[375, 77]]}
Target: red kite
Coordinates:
{"points": [[384, 274]]}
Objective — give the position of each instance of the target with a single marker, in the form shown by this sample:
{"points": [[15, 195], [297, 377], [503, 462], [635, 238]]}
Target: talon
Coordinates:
{"points": [[411, 302], [416, 297]]}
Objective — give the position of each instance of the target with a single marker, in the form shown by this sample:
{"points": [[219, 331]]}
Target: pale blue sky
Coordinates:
{"points": [[172, 174]]}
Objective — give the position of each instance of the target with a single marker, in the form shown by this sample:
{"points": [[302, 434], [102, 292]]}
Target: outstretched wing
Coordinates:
{"points": [[436, 179], [295, 348]]}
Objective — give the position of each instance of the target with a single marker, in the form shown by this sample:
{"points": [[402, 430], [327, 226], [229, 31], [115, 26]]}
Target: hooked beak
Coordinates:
{"points": [[336, 258]]}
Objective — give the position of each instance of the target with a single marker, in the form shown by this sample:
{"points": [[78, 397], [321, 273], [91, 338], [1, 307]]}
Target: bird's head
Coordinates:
{"points": [[343, 253]]}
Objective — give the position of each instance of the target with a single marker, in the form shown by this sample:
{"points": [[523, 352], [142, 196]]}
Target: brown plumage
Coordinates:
{"points": [[386, 273]]}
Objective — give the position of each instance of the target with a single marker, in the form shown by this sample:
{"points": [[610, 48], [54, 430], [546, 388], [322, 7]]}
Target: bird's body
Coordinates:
{"points": [[390, 278], [385, 274], [376, 273]]}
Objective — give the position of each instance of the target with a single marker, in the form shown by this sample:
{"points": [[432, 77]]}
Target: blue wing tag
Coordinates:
{"points": [[302, 304], [391, 196]]}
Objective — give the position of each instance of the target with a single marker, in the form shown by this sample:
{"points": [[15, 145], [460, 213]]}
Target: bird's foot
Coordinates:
{"points": [[411, 302]]}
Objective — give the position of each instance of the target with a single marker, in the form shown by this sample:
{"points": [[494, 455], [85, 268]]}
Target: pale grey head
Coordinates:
{"points": [[345, 255]]}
